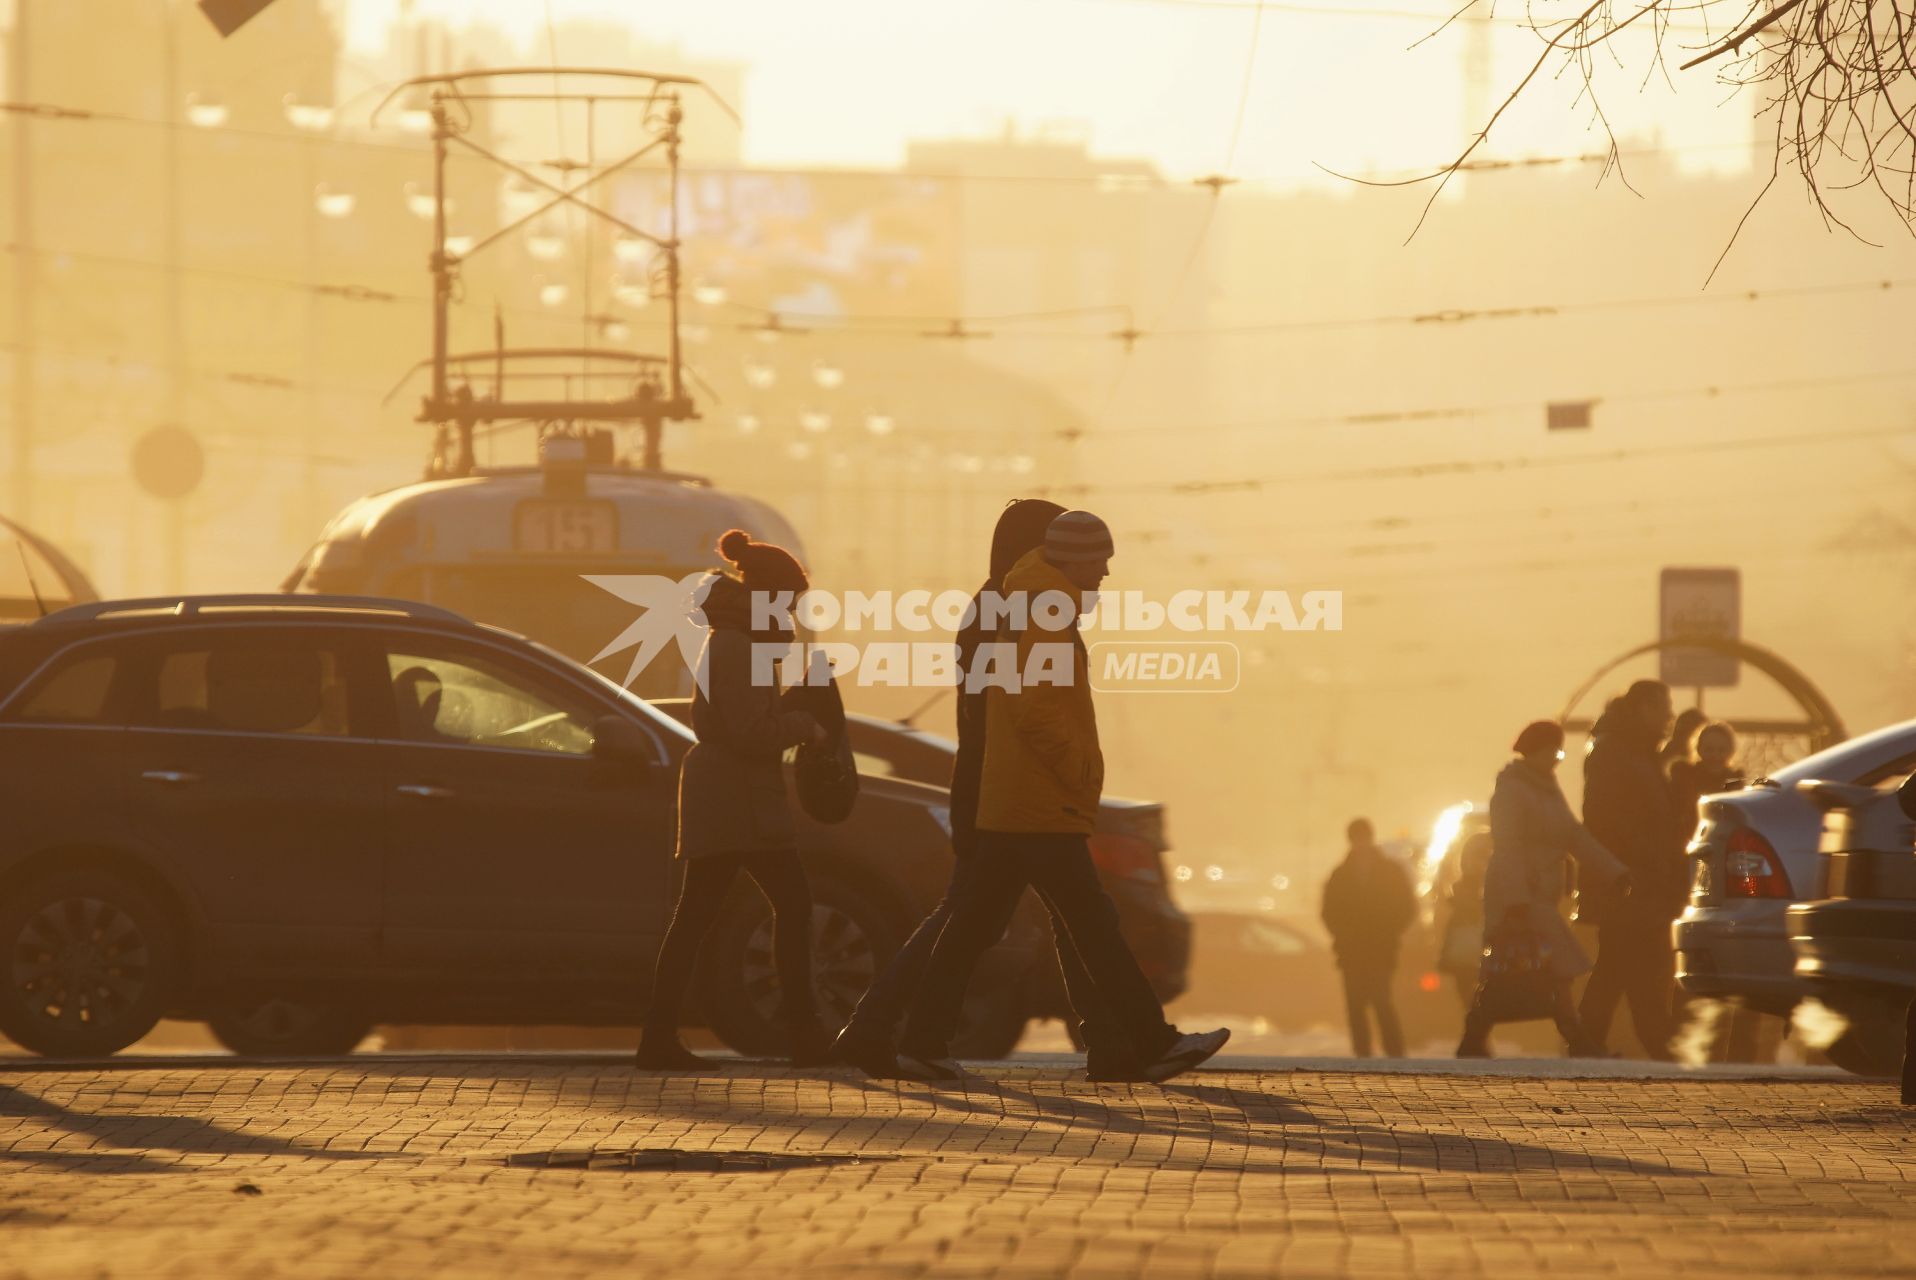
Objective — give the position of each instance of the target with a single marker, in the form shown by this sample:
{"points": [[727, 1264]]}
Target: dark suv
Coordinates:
{"points": [[297, 817]]}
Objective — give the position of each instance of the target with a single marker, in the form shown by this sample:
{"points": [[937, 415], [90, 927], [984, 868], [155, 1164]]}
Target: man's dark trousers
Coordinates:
{"points": [[1635, 963], [1367, 990], [1909, 1057], [1059, 867], [891, 991]]}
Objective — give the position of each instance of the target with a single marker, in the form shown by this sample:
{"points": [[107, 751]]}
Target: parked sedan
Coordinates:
{"points": [[1267, 966], [296, 817], [1856, 947], [1753, 855]]}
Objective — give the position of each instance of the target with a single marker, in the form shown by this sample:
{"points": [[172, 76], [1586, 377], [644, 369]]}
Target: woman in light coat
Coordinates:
{"points": [[1533, 832]]}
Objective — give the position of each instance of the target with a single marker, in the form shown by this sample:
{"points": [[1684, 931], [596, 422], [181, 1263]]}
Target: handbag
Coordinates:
{"points": [[826, 775], [1515, 984], [1463, 948]]}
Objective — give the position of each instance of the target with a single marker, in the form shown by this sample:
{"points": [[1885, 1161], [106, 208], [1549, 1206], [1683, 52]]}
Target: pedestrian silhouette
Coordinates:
{"points": [[1531, 957], [733, 813], [1682, 735], [1707, 766], [1039, 788], [1460, 953], [1630, 807], [867, 1040], [1368, 903]]}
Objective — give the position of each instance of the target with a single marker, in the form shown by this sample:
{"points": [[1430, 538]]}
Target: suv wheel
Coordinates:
{"points": [[274, 1027], [852, 937], [993, 1022], [91, 963]]}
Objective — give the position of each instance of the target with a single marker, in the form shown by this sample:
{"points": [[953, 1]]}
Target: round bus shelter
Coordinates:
{"points": [[1818, 727]]}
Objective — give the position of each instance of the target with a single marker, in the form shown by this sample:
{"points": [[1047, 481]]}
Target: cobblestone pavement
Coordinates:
{"points": [[523, 1167]]}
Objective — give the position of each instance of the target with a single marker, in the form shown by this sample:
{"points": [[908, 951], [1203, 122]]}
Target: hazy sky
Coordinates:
{"points": [[1333, 81]]}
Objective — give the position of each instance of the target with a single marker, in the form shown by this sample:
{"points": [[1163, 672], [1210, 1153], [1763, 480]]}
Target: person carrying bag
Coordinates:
{"points": [[734, 818], [1531, 957]]}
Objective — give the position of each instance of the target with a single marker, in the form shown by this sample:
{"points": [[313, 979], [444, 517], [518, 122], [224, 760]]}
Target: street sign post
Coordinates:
{"points": [[230, 15], [1699, 602]]}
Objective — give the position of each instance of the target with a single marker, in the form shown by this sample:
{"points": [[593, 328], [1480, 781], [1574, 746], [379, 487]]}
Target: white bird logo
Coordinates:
{"points": [[667, 612]]}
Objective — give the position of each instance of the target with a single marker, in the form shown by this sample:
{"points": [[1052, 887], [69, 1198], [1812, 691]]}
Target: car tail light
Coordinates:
{"points": [[1751, 869], [1126, 857]]}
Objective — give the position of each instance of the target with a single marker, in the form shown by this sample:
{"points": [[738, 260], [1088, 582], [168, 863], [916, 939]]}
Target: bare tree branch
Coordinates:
{"points": [[1838, 76], [1735, 42]]}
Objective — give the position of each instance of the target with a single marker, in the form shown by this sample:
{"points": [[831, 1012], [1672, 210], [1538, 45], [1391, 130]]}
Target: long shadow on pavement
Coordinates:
{"points": [[1261, 1132], [133, 1132]]}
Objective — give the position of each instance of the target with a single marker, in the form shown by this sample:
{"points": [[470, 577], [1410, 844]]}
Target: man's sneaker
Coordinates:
{"points": [[1185, 1052], [929, 1070]]}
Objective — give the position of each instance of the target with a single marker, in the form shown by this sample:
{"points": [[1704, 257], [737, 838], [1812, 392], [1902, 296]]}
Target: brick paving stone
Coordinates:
{"points": [[406, 1166]]}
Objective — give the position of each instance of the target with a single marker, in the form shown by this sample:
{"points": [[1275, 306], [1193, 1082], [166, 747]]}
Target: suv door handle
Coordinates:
{"points": [[172, 777], [425, 791]]}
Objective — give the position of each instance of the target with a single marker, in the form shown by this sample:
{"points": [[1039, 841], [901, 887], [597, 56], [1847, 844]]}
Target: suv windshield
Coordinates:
{"points": [[558, 608], [651, 713]]}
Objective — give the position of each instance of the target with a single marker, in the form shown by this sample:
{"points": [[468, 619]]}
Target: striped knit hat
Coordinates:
{"points": [[1077, 537]]}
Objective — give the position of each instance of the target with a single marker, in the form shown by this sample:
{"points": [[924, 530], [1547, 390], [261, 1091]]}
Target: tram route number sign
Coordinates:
{"points": [[1699, 602], [565, 527]]}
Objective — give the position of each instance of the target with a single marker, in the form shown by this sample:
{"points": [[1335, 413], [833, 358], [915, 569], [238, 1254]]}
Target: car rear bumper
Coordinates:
{"points": [[1860, 944], [1159, 934], [1739, 950]]}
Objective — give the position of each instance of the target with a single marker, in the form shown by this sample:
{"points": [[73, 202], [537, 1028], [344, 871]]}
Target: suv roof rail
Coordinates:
{"points": [[188, 606]]}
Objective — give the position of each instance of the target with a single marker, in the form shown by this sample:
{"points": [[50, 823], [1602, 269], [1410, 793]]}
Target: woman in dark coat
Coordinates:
{"points": [[733, 813]]}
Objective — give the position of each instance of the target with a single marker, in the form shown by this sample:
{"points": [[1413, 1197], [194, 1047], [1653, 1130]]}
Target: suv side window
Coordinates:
{"points": [[77, 691], [249, 682], [460, 696]]}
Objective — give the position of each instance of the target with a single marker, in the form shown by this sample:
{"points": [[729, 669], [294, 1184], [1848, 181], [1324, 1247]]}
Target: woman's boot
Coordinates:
{"points": [[811, 1044], [660, 1049], [1476, 1041]]}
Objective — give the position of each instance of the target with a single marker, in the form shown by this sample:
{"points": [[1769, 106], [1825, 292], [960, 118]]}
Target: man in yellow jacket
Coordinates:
{"points": [[1037, 804]]}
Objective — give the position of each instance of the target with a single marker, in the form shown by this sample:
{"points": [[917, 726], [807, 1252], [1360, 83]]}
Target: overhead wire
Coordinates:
{"points": [[1708, 391], [1369, 417], [1473, 466], [801, 324], [1367, 11], [1112, 181], [1216, 182], [1544, 517]]}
